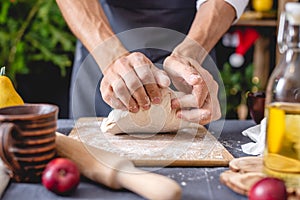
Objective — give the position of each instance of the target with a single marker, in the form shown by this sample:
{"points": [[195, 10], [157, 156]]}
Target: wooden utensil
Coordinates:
{"points": [[187, 147], [246, 171], [246, 164], [115, 172]]}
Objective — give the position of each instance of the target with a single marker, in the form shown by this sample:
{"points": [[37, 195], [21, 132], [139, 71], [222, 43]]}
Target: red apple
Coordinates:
{"points": [[268, 189], [61, 176]]}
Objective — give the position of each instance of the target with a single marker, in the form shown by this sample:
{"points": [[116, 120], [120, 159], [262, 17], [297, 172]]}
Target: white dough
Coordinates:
{"points": [[159, 118]]}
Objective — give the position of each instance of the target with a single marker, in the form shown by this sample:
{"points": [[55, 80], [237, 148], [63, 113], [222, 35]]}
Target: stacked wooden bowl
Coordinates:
{"points": [[27, 139]]}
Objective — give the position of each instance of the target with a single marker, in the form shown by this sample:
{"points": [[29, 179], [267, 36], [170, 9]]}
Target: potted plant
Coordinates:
{"points": [[36, 48], [237, 84]]}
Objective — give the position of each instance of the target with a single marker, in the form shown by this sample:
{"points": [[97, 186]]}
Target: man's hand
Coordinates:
{"points": [[133, 82], [200, 104]]}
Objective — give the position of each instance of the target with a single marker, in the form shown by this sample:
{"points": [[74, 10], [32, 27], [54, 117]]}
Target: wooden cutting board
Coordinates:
{"points": [[188, 147]]}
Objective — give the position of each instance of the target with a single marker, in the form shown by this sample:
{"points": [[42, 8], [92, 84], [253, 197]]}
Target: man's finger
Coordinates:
{"points": [[161, 77], [114, 102], [201, 93], [187, 72], [121, 92], [186, 101], [137, 90], [141, 98], [147, 78], [197, 115], [108, 95], [134, 86], [142, 67]]}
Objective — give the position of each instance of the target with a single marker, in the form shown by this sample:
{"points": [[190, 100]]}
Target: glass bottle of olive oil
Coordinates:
{"points": [[282, 152]]}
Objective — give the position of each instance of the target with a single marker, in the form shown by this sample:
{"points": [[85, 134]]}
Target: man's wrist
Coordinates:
{"points": [[108, 52], [191, 50]]}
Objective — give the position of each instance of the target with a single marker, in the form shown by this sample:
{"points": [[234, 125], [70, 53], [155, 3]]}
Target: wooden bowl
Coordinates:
{"points": [[27, 139]]}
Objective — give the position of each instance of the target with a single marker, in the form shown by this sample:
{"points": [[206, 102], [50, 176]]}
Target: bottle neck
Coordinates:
{"points": [[292, 55], [293, 37]]}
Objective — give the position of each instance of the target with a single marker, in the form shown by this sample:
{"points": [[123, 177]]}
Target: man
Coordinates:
{"points": [[131, 81]]}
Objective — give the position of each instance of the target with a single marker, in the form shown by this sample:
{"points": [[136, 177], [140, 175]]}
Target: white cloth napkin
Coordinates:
{"points": [[257, 134], [4, 178]]}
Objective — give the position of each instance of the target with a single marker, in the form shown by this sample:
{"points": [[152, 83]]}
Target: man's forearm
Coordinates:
{"points": [[212, 20], [89, 24]]}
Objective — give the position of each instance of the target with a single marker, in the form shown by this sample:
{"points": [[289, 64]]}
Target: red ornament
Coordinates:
{"points": [[246, 39]]}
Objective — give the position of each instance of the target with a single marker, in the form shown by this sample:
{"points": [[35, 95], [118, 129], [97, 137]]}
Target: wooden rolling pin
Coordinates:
{"points": [[115, 172]]}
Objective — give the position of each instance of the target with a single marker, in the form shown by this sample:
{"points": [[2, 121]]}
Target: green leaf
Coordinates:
{"points": [[4, 11], [45, 37], [249, 73], [235, 78]]}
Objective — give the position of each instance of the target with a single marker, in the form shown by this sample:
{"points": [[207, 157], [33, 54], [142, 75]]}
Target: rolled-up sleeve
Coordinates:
{"points": [[238, 5]]}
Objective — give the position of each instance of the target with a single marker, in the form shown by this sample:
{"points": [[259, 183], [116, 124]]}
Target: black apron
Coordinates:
{"points": [[149, 26]]}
